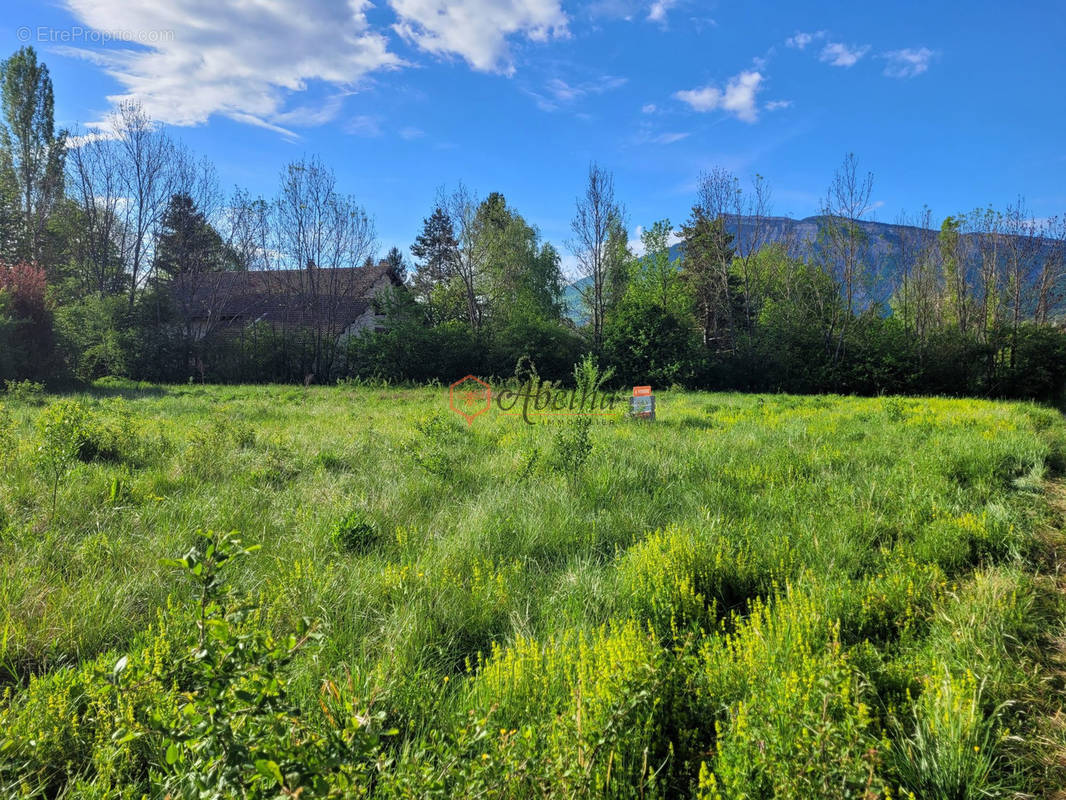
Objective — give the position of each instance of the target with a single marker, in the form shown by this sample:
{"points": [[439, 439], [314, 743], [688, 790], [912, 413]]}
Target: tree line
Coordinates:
{"points": [[106, 234]]}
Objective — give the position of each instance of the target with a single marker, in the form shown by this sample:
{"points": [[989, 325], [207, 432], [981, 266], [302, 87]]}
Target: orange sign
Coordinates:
{"points": [[642, 391]]}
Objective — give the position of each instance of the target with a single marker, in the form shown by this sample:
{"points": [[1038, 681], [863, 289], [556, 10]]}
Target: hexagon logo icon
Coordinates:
{"points": [[470, 397]]}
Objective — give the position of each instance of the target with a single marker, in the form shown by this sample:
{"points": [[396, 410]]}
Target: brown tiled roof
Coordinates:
{"points": [[330, 298]]}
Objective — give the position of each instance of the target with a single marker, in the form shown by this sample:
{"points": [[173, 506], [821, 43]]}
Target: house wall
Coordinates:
{"points": [[368, 319]]}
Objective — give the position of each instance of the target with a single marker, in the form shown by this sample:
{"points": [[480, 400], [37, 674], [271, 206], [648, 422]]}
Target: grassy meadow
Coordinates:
{"points": [[753, 596]]}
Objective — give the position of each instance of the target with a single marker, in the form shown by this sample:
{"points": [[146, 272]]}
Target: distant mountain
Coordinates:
{"points": [[800, 235]]}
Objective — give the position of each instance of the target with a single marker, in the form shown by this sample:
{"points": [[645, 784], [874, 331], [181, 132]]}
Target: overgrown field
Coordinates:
{"points": [[753, 596]]}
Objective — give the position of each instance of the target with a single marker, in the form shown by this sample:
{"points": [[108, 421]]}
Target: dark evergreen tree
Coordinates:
{"points": [[436, 248], [397, 263], [437, 252], [188, 243], [707, 258]]}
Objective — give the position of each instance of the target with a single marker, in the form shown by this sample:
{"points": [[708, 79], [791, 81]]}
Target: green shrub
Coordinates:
{"points": [[572, 446], [62, 429], [589, 377], [355, 534], [895, 409], [438, 447], [24, 391]]}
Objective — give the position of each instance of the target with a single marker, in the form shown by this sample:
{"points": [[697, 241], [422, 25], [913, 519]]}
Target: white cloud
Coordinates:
{"points": [[409, 133], [738, 98], [96, 133], [775, 105], [800, 40], [240, 60], [648, 108], [838, 54], [908, 62], [659, 9], [478, 30]]}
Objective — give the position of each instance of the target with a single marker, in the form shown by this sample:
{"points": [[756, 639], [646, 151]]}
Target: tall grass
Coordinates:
{"points": [[753, 596]]}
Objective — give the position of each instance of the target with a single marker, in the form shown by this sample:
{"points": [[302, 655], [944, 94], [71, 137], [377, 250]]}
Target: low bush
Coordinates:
{"points": [[355, 533]]}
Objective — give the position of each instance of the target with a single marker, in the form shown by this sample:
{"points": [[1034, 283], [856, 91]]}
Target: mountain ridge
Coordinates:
{"points": [[800, 235]]}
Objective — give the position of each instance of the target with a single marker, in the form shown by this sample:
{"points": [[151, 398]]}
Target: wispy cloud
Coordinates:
{"points": [[410, 133], [364, 125], [648, 108], [558, 93], [838, 54], [738, 97], [656, 11], [908, 62], [669, 138], [800, 39], [776, 105]]}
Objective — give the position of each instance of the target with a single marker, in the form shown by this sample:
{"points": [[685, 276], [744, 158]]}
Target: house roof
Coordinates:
{"points": [[330, 299]]}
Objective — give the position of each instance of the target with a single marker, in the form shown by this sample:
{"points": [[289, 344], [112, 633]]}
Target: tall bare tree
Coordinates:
{"points": [[93, 180], [473, 253], [319, 241], [918, 291], [751, 211], [1023, 244], [597, 214], [244, 224], [1052, 268], [844, 243], [990, 241], [148, 173]]}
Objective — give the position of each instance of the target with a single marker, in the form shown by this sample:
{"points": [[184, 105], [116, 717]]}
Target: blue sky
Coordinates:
{"points": [[951, 106]]}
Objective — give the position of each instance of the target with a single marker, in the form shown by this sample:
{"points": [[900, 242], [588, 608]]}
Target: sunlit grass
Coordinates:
{"points": [[746, 588]]}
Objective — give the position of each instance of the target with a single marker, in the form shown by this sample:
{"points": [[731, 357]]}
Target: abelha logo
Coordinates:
{"points": [[470, 397]]}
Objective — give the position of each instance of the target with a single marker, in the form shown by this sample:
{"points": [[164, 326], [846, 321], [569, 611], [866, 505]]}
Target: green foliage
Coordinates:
{"points": [[31, 150], [188, 244], [94, 336], [354, 533], [757, 595], [706, 269], [572, 446], [647, 345], [588, 375], [438, 446], [679, 579], [232, 730], [24, 391], [804, 733], [62, 430]]}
